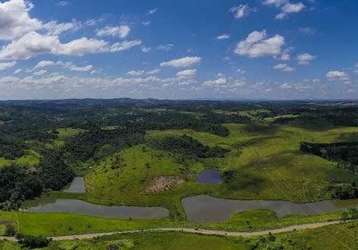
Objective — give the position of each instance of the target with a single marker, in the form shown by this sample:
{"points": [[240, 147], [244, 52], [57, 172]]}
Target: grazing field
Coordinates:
{"points": [[266, 164], [326, 238], [155, 155]]}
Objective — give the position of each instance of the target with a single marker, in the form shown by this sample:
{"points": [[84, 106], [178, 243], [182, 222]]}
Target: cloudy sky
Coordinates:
{"points": [[179, 49]]}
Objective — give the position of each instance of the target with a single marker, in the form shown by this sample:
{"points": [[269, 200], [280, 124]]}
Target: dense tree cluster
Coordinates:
{"points": [[18, 184], [98, 143], [186, 145]]}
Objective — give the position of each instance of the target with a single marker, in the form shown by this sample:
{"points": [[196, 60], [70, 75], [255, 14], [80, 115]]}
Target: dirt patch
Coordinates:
{"points": [[163, 183]]}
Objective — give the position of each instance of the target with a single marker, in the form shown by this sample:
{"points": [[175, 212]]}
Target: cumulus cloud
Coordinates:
{"points": [[336, 75], [277, 3], [258, 44], [305, 58], [30, 44], [29, 37], [121, 31], [44, 64], [189, 73], [283, 67], [40, 72], [240, 11], [224, 83], [290, 8], [286, 7], [34, 43], [7, 65], [223, 37], [184, 62], [67, 65], [15, 20], [55, 28], [142, 72]]}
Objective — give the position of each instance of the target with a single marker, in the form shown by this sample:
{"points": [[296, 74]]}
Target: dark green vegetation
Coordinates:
{"points": [[187, 146], [149, 153], [18, 183]]}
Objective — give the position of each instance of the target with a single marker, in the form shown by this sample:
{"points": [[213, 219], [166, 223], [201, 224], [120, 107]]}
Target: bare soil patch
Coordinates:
{"points": [[163, 183]]}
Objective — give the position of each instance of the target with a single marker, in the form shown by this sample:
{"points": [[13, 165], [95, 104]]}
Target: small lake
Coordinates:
{"points": [[77, 186], [204, 208], [209, 176], [85, 208]]}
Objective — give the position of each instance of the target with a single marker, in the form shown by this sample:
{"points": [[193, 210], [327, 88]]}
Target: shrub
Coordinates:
{"points": [[10, 230], [31, 242]]}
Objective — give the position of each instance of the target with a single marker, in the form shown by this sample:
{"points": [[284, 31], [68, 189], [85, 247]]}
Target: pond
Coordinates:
{"points": [[85, 208], [209, 176], [77, 186], [204, 208]]}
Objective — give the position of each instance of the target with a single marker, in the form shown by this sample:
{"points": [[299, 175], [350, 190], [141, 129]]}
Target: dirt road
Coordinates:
{"points": [[195, 231]]}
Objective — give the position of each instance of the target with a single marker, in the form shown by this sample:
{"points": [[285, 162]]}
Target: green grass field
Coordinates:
{"points": [[267, 161], [30, 159], [327, 238], [57, 224]]}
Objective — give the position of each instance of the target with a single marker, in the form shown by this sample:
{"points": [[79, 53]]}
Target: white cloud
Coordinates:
{"points": [[240, 11], [63, 3], [17, 71], [121, 31], [136, 72], [165, 47], [184, 62], [277, 3], [86, 68], [55, 28], [152, 11], [285, 56], [283, 67], [81, 46], [305, 58], [286, 7], [189, 73], [15, 20], [34, 43], [216, 82], [67, 65], [223, 37], [257, 44], [145, 49], [153, 72], [224, 83], [44, 64], [40, 72], [336, 75], [125, 45], [290, 8], [7, 65], [30, 44]]}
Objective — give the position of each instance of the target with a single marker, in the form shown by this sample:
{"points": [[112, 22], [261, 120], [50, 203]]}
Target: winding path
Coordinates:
{"points": [[195, 231]]}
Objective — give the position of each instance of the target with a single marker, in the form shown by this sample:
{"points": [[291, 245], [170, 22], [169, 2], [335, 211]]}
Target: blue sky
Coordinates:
{"points": [[187, 49]]}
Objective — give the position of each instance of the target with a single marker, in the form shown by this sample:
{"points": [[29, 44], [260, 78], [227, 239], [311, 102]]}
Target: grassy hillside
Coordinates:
{"points": [[265, 163]]}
